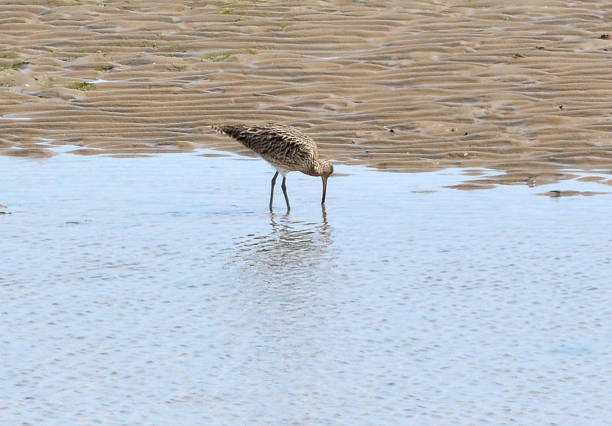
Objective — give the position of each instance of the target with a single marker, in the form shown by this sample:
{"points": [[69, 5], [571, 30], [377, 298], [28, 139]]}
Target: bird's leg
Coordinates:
{"points": [[285, 192], [272, 189]]}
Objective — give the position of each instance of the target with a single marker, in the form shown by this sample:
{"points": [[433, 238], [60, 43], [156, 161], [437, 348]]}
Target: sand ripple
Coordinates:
{"points": [[401, 86]]}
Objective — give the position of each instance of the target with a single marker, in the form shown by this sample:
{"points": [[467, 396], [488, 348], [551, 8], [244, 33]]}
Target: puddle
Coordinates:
{"points": [[58, 148], [163, 286], [14, 117]]}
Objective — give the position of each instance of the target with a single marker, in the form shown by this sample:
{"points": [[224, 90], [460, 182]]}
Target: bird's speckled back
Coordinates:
{"points": [[281, 146]]}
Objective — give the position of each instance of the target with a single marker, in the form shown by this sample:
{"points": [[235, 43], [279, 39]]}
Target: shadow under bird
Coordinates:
{"points": [[285, 148]]}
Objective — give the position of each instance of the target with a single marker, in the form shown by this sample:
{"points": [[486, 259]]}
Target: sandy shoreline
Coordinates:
{"points": [[400, 86]]}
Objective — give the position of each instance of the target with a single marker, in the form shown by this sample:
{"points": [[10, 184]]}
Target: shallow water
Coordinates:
{"points": [[161, 290]]}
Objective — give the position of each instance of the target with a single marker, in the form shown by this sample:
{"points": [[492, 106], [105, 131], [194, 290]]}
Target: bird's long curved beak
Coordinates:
{"points": [[324, 178]]}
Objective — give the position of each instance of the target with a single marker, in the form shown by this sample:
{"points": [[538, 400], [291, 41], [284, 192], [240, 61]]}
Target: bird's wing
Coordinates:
{"points": [[275, 143]]}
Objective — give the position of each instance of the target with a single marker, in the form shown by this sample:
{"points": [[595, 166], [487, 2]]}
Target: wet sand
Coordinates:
{"points": [[399, 86]]}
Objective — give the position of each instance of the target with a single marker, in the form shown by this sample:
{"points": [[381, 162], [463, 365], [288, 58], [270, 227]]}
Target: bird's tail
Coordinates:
{"points": [[233, 130], [217, 128]]}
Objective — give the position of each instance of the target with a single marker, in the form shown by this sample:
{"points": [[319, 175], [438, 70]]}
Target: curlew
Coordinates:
{"points": [[285, 148]]}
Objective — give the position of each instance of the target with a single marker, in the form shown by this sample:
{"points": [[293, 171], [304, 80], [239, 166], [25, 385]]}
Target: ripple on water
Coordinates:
{"points": [[160, 287]]}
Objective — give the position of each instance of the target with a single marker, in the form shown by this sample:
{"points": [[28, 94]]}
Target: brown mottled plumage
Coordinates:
{"points": [[285, 148]]}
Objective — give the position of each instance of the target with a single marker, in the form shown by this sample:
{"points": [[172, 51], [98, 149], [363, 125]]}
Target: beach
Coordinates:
{"points": [[398, 86], [458, 272]]}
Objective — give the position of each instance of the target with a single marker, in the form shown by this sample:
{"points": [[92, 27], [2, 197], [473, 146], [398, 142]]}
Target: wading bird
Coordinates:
{"points": [[285, 148]]}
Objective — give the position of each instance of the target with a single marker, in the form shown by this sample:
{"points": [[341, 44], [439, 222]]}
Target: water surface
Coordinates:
{"points": [[161, 291]]}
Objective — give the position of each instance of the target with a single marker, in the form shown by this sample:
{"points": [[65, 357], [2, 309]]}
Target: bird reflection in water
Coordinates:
{"points": [[292, 250]]}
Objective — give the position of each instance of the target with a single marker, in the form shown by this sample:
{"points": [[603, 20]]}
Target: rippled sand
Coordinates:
{"points": [[402, 86]]}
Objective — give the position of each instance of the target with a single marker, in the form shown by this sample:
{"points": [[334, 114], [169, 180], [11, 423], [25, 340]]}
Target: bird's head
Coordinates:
{"points": [[327, 168]]}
